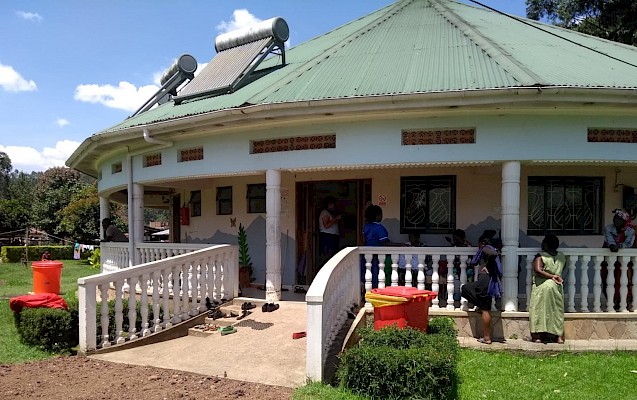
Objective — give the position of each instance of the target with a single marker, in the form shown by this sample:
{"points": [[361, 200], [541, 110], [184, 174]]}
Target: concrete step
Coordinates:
{"points": [[232, 310]]}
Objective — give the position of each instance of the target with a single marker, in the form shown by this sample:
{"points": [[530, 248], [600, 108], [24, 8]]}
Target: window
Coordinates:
{"points": [[224, 200], [256, 198], [195, 203], [565, 205], [427, 204]]}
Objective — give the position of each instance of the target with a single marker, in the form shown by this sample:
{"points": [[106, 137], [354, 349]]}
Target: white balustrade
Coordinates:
{"points": [[148, 286]]}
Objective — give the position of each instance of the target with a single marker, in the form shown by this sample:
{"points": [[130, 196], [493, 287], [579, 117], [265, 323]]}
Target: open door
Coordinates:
{"points": [[351, 197]]}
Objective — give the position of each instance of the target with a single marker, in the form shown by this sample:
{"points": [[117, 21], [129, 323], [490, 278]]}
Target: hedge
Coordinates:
{"points": [[394, 363], [14, 254]]}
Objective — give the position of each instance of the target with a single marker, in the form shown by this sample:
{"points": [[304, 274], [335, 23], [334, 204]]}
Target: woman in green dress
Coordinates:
{"points": [[546, 311]]}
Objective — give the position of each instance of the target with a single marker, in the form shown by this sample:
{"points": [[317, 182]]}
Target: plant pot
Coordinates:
{"points": [[244, 277]]}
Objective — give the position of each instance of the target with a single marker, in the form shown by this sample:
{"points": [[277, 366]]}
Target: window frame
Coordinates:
{"points": [[430, 182], [596, 191], [195, 203], [254, 201], [224, 200]]}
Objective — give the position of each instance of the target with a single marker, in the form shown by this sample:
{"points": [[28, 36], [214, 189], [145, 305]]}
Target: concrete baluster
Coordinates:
{"points": [[421, 272], [166, 277], [185, 298], [132, 308], [119, 316], [570, 281], [597, 284], [583, 288], [610, 283], [408, 266], [143, 297], [463, 281], [623, 284], [176, 287], [156, 305], [434, 280], [394, 269], [528, 268], [104, 320], [381, 271]]}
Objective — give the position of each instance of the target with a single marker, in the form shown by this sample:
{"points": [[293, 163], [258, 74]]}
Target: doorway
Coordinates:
{"points": [[351, 197]]}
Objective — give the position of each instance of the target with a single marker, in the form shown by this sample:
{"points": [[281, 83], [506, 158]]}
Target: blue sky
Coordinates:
{"points": [[70, 69]]}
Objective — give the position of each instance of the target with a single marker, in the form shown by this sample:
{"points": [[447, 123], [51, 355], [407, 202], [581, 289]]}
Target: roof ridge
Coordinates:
{"points": [[306, 66], [519, 72]]}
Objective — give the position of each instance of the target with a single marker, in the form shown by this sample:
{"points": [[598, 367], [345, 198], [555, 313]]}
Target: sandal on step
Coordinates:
{"points": [[481, 340]]}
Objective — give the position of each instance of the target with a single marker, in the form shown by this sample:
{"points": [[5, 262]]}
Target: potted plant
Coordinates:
{"points": [[245, 263]]}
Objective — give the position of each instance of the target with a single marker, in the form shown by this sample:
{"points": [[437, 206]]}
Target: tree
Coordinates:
{"points": [[54, 190], [15, 209], [80, 218], [5, 172], [614, 20]]}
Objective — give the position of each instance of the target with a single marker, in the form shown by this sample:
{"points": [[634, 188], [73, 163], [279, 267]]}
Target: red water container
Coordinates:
{"points": [[46, 276], [413, 313]]}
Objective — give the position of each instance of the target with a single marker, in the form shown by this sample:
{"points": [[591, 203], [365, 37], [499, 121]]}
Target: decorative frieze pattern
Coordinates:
{"points": [[315, 142], [152, 160], [612, 135], [191, 154], [439, 136]]}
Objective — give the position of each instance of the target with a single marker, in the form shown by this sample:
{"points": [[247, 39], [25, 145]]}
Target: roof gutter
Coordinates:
{"points": [[362, 104]]}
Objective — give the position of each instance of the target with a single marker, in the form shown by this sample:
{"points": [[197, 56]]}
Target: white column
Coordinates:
{"points": [[137, 234], [105, 212], [273, 235], [510, 233]]}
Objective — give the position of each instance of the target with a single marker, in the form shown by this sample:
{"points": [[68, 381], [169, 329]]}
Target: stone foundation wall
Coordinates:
{"points": [[515, 325]]}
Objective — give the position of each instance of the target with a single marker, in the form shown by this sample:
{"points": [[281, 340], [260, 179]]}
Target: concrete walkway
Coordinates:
{"points": [[569, 345], [262, 350]]}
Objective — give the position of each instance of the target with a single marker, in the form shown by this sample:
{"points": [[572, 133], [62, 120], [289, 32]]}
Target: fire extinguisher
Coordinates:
{"points": [[184, 215]]}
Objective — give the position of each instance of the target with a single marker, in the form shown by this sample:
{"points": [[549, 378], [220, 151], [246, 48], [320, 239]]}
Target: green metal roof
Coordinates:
{"points": [[424, 46]]}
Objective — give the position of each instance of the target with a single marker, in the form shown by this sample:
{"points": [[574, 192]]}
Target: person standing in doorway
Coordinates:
{"points": [[329, 235]]}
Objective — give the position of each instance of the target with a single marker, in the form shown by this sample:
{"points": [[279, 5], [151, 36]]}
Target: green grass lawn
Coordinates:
{"points": [[16, 280], [515, 376]]}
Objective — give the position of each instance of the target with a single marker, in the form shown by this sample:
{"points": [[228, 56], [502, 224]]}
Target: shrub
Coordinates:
{"points": [[443, 326], [95, 259], [50, 329], [125, 321], [394, 363], [14, 254]]}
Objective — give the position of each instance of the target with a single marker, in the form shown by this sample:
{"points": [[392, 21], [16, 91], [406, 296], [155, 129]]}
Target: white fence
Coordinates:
{"points": [[168, 291], [114, 255], [340, 282]]}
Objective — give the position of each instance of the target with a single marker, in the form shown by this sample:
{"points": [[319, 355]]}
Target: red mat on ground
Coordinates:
{"points": [[47, 300]]}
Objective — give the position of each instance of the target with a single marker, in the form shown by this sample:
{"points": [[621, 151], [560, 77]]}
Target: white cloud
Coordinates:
{"points": [[125, 96], [29, 16], [29, 159], [62, 122], [11, 81], [240, 19]]}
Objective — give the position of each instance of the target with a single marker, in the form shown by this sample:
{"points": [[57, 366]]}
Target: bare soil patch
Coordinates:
{"points": [[78, 377]]}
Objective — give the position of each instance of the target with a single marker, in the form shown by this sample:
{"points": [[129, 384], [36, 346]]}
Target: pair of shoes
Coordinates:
{"points": [[248, 306], [299, 289], [269, 307], [227, 330], [298, 335], [483, 341], [244, 314]]}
